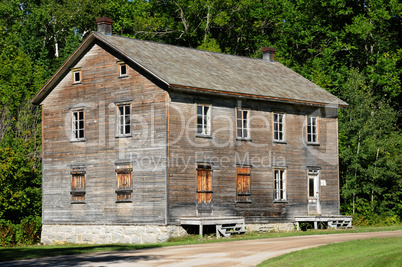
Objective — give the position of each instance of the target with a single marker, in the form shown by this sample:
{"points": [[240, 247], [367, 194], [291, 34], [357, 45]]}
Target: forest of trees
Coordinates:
{"points": [[352, 48]]}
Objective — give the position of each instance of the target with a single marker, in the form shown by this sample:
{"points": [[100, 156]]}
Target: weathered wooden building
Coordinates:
{"points": [[141, 138]]}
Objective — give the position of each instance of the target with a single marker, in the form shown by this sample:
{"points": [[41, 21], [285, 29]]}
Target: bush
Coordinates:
{"points": [[27, 232]]}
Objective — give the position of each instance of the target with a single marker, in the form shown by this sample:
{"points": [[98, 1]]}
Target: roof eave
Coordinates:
{"points": [[259, 97]]}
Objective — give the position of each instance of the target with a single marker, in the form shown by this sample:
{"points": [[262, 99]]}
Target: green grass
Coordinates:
{"points": [[367, 252], [37, 251]]}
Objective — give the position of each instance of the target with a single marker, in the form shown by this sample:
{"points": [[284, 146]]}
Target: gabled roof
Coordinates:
{"points": [[208, 72]]}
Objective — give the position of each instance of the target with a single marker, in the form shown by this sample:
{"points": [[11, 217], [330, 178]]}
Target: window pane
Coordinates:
{"points": [[127, 110], [206, 109], [123, 69], [311, 187]]}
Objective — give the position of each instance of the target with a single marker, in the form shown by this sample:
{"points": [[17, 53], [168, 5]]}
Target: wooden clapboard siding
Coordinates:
{"points": [[261, 153], [98, 94]]}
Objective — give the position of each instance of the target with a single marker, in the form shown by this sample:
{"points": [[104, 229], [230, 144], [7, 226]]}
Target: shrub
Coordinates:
{"points": [[27, 232]]}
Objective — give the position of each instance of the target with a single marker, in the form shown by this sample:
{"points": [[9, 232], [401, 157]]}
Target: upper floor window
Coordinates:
{"points": [[279, 185], [203, 120], [243, 176], [77, 122], [124, 120], [124, 188], [312, 129], [243, 123], [122, 69], [78, 184], [77, 73], [279, 127]]}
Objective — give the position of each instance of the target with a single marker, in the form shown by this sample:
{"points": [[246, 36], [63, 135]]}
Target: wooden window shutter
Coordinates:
{"points": [[204, 184], [243, 188], [124, 183], [78, 184]]}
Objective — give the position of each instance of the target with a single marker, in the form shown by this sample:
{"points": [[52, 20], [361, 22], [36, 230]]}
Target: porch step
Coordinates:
{"points": [[229, 229], [340, 224]]}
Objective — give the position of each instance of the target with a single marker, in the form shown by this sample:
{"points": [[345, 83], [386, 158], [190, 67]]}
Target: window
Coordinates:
{"points": [[312, 129], [78, 184], [122, 69], [313, 186], [123, 120], [243, 123], [279, 185], [279, 127], [124, 183], [243, 175], [78, 120], [203, 120], [76, 75], [204, 183]]}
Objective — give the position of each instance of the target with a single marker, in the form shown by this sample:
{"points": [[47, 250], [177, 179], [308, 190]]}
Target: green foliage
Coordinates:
{"points": [[27, 232]]}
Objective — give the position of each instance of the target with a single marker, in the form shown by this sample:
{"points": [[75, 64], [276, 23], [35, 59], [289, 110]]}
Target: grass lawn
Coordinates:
{"points": [[368, 252], [37, 251]]}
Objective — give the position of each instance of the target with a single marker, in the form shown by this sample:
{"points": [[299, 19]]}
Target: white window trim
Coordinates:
{"points": [[314, 174], [74, 122], [243, 127], [74, 71], [206, 120], [280, 140], [118, 124], [121, 64], [309, 130], [278, 185]]}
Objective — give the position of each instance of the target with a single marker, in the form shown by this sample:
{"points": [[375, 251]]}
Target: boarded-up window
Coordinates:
{"points": [[312, 129], [204, 183], [124, 183], [279, 185], [78, 184], [243, 175]]}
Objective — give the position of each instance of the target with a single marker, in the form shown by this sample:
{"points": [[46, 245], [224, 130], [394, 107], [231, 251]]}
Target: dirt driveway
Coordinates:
{"points": [[236, 253]]}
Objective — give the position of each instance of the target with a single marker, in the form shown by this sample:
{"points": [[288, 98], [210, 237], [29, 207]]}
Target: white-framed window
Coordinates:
{"points": [[123, 70], [124, 120], [77, 75], [243, 123], [78, 124], [312, 129], [279, 127], [203, 119], [313, 184], [279, 184]]}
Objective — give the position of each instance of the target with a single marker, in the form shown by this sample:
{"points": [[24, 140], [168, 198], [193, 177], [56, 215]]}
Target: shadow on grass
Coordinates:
{"points": [[80, 253]]}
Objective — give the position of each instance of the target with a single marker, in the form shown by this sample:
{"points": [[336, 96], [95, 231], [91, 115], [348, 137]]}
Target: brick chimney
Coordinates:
{"points": [[104, 25], [268, 53]]}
